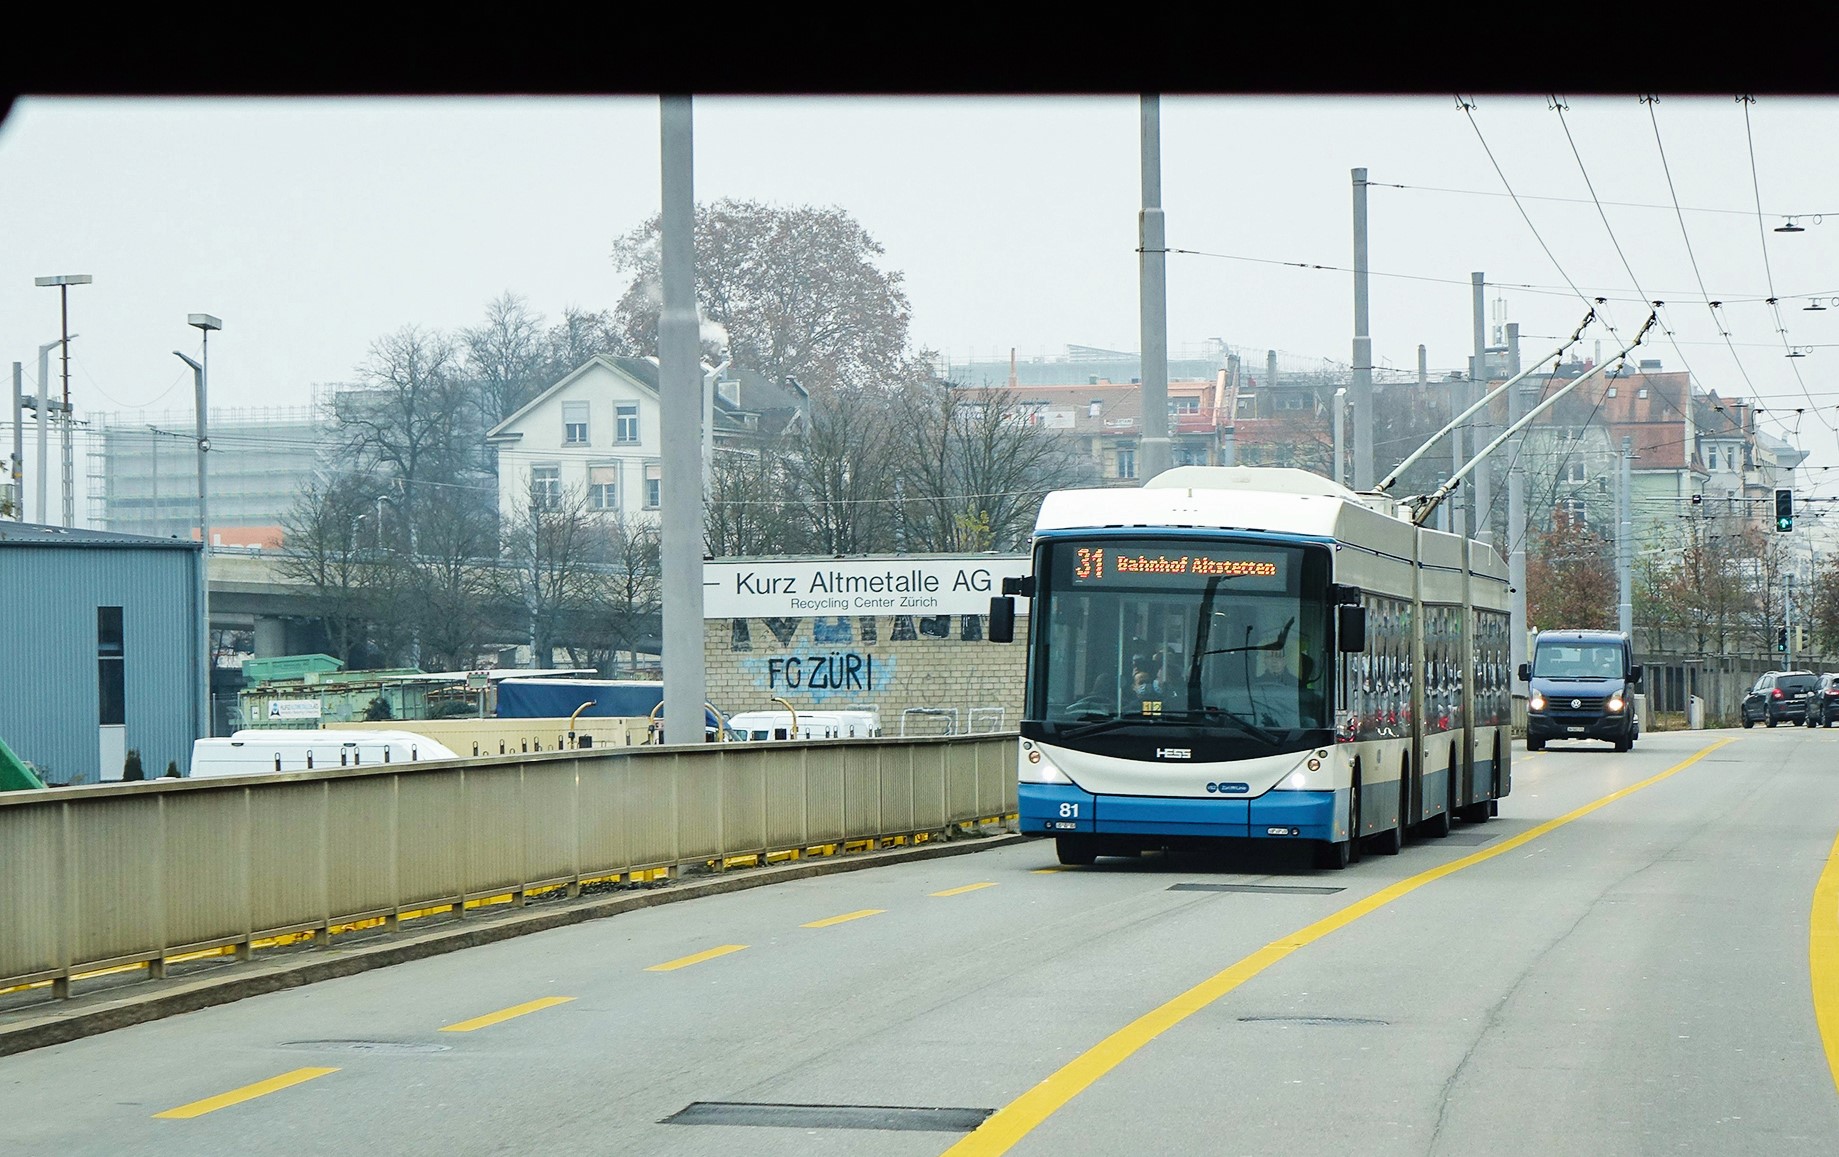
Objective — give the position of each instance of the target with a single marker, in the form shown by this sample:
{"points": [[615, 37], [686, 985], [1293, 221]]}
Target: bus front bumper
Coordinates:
{"points": [[1062, 809]]}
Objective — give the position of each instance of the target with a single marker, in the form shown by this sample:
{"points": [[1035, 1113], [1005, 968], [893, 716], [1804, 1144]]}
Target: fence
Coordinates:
{"points": [[138, 873]]}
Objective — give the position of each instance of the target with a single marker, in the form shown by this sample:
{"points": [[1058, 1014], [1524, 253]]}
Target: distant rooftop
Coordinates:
{"points": [[35, 534]]}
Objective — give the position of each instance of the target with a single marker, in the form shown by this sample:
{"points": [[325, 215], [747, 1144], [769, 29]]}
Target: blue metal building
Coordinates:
{"points": [[104, 650]]}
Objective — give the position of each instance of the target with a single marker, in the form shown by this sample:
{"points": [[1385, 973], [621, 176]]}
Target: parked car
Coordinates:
{"points": [[1823, 706], [1779, 695]]}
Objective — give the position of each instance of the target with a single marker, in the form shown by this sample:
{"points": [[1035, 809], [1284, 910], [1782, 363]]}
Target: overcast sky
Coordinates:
{"points": [[314, 226]]}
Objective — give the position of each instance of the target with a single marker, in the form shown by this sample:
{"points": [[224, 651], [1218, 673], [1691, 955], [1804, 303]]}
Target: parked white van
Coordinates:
{"points": [[254, 751], [750, 726]]}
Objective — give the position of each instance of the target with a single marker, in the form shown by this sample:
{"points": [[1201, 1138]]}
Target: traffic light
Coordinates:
{"points": [[1784, 510], [1781, 639], [1800, 638]]}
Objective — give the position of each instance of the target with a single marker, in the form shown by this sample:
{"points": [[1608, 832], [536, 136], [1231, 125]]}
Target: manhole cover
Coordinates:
{"points": [[897, 1117], [369, 1046], [1285, 889]]}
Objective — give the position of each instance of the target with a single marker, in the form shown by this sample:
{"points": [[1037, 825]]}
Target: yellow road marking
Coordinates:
{"points": [[1823, 958], [1047, 871], [1009, 1124], [966, 888], [246, 1093], [845, 917], [686, 961], [492, 1018]]}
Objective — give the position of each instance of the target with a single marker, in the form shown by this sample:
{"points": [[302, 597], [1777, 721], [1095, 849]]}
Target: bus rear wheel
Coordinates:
{"points": [[1076, 851], [1392, 841], [1438, 826]]}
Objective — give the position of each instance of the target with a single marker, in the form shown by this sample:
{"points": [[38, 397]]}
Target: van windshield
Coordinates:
{"points": [[1577, 661]]}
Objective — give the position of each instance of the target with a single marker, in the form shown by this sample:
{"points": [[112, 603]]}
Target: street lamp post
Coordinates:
{"points": [[44, 430], [64, 282], [200, 382]]}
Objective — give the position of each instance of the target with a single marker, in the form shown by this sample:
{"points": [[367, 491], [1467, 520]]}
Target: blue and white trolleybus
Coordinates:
{"points": [[1256, 653]]}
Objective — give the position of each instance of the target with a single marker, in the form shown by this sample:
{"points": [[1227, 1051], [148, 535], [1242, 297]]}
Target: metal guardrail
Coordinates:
{"points": [[139, 873]]}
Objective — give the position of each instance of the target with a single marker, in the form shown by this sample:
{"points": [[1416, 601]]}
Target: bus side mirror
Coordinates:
{"points": [[1350, 628], [1634, 674], [1002, 619], [1525, 672]]}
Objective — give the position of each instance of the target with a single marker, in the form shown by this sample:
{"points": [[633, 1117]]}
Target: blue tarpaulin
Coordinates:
{"points": [[559, 698]]}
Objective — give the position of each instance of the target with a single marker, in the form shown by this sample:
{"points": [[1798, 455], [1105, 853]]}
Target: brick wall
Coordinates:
{"points": [[894, 662]]}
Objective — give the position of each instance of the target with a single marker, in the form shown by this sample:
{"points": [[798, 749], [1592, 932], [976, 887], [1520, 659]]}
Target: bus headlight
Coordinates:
{"points": [[1614, 706], [1037, 768], [1535, 702]]}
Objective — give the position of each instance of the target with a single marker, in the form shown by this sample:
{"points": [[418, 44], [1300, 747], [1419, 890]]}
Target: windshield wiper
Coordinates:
{"points": [[1103, 725]]}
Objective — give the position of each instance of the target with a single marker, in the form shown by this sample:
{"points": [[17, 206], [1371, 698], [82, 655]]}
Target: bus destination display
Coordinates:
{"points": [[1162, 565]]}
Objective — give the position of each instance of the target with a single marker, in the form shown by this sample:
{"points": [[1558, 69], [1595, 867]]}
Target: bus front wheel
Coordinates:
{"points": [[1337, 854], [1075, 851]]}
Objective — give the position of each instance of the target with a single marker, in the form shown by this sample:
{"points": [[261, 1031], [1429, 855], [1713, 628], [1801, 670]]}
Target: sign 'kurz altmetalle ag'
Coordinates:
{"points": [[912, 585]]}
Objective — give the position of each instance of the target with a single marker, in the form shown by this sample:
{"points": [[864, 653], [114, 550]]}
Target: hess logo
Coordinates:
{"points": [[1174, 753]]}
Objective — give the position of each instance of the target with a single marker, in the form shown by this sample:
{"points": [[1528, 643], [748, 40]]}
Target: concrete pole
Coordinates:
{"points": [[680, 389], [1516, 511], [1153, 445], [19, 443], [1340, 461], [1363, 347], [1484, 488], [1625, 546], [44, 432], [1458, 459], [70, 488]]}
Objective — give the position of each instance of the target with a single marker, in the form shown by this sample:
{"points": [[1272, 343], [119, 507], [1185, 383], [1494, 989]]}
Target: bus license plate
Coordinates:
{"points": [[1060, 826]]}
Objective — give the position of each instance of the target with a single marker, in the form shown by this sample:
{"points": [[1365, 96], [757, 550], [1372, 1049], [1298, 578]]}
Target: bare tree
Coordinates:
{"points": [[752, 508], [504, 357], [845, 476], [1570, 582], [974, 467], [615, 608], [544, 549], [580, 335], [454, 586], [412, 422], [796, 290], [324, 556]]}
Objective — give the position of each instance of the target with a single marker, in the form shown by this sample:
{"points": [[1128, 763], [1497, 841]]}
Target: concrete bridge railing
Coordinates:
{"points": [[139, 873]]}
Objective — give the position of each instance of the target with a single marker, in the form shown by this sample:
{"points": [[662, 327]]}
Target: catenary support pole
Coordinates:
{"points": [[680, 390], [1478, 379], [1153, 446], [1363, 346], [1625, 544]]}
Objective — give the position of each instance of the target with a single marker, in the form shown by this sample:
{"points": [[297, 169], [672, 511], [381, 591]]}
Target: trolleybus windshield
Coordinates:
{"points": [[1203, 636]]}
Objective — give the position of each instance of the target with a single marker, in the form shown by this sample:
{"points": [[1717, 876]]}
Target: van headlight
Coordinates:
{"points": [[1615, 704], [1535, 702]]}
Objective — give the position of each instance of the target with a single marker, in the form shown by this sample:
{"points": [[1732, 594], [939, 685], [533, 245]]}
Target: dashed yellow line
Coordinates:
{"points": [[698, 958], [844, 918], [966, 888], [516, 1010], [246, 1093]]}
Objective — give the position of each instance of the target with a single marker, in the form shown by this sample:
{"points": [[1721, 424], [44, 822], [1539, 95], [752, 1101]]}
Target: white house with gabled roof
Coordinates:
{"points": [[598, 432]]}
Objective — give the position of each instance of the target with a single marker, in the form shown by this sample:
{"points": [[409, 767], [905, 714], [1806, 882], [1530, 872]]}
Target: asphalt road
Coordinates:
{"points": [[1627, 960]]}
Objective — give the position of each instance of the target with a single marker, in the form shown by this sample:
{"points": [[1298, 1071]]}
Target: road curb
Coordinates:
{"points": [[39, 1026]]}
